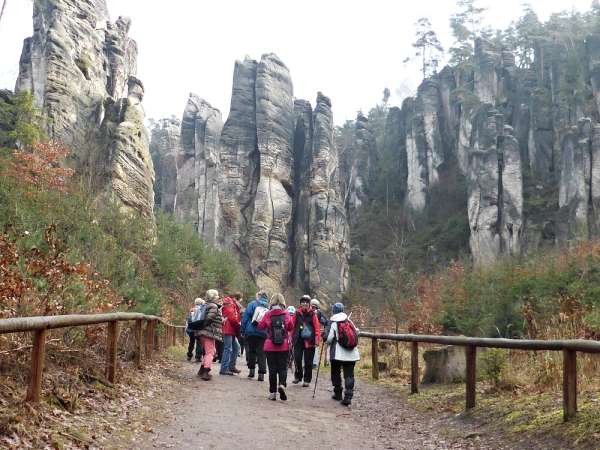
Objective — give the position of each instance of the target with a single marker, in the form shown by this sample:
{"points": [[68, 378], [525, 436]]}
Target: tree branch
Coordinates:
{"points": [[2, 10]]}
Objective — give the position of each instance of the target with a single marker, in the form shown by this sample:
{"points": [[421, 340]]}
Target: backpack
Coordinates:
{"points": [[307, 332], [197, 320], [278, 333], [259, 313], [347, 335]]}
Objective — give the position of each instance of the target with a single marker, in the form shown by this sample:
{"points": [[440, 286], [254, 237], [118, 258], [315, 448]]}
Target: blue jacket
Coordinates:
{"points": [[248, 329]]}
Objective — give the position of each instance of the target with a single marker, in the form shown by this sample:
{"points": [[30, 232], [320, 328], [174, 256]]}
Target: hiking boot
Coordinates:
{"points": [[296, 381], [347, 401], [282, 394], [337, 395], [234, 370], [305, 384], [201, 371], [273, 396], [206, 376], [250, 373], [189, 358], [261, 377]]}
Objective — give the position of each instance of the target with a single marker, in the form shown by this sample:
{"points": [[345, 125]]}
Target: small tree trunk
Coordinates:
{"points": [[2, 10]]}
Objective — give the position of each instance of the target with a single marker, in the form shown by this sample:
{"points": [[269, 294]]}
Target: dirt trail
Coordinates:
{"points": [[234, 412]]}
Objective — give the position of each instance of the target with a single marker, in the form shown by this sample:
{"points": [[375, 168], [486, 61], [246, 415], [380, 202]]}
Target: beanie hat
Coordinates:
{"points": [[337, 308], [305, 299], [291, 309], [315, 302]]}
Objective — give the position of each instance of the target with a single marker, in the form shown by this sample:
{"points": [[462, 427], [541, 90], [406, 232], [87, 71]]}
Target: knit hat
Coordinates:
{"points": [[291, 309], [315, 302], [305, 299], [337, 308]]}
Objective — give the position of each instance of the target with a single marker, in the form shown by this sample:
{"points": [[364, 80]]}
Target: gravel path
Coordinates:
{"points": [[234, 412]]}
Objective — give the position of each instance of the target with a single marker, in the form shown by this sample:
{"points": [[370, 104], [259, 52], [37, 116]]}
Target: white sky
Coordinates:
{"points": [[348, 49]]}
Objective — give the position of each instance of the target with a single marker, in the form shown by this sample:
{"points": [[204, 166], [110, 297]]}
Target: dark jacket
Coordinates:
{"points": [[301, 319], [248, 328], [212, 323]]}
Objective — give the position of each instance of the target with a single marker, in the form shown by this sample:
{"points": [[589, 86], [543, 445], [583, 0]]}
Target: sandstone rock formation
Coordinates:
{"points": [[526, 148], [266, 184], [165, 146], [197, 161], [81, 71]]}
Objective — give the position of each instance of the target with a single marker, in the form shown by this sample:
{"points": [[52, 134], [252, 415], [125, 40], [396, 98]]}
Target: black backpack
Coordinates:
{"points": [[278, 333]]}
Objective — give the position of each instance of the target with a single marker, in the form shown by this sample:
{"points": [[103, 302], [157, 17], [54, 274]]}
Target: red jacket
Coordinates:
{"points": [[231, 317], [265, 324], [310, 317]]}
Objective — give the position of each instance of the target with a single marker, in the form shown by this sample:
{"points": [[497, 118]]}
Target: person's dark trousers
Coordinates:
{"points": [[303, 355], [242, 343], [191, 345], [256, 353], [219, 352], [336, 377], [277, 362]]}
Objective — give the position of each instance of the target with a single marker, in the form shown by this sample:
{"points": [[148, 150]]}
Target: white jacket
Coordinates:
{"points": [[338, 352]]}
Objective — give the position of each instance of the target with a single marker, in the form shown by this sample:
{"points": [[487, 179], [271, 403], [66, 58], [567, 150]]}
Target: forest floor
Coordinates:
{"points": [[228, 411]]}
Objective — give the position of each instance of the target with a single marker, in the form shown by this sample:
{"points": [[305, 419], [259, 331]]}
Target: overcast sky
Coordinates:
{"points": [[348, 49]]}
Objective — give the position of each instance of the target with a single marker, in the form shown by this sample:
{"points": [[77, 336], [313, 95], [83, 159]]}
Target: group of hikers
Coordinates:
{"points": [[273, 335]]}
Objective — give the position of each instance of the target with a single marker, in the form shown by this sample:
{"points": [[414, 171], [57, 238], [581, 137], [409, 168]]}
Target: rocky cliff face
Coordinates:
{"points": [[266, 184], [165, 146], [523, 142], [81, 70]]}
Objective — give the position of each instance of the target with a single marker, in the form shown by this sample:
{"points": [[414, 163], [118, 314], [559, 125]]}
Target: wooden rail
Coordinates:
{"points": [[568, 347], [39, 326]]}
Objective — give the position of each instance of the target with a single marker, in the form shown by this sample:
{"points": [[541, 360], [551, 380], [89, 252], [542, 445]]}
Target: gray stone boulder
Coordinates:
{"points": [[444, 365]]}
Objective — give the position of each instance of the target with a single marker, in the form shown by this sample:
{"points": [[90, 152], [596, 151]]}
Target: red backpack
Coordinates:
{"points": [[347, 335]]}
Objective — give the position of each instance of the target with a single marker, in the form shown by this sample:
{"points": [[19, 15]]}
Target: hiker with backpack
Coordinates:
{"points": [[316, 306], [231, 328], [277, 323], [343, 341], [210, 332], [191, 335], [255, 337], [306, 337]]}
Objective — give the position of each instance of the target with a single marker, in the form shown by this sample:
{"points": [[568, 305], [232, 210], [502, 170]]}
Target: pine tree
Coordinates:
{"points": [[428, 47], [466, 26]]}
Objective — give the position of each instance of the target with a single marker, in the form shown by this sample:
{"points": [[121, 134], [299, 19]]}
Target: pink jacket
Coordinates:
{"points": [[265, 324]]}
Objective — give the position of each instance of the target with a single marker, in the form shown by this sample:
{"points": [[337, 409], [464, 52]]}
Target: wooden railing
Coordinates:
{"points": [[568, 347], [39, 326]]}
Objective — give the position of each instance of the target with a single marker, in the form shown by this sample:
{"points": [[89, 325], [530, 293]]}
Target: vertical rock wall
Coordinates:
{"points": [[81, 71], [266, 184]]}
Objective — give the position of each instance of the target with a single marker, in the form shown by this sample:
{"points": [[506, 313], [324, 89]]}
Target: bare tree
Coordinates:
{"points": [[3, 8]]}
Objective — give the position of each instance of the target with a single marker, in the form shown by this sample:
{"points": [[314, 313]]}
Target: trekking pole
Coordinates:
{"points": [[318, 368]]}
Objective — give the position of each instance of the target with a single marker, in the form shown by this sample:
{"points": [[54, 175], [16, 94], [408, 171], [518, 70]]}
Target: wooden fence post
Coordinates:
{"points": [[111, 351], [414, 368], [183, 337], [569, 384], [38, 355], [471, 356], [149, 338], [374, 359], [156, 336], [139, 343]]}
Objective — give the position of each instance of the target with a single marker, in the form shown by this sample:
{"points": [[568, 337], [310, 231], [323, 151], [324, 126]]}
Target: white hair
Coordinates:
{"points": [[199, 301], [212, 295]]}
